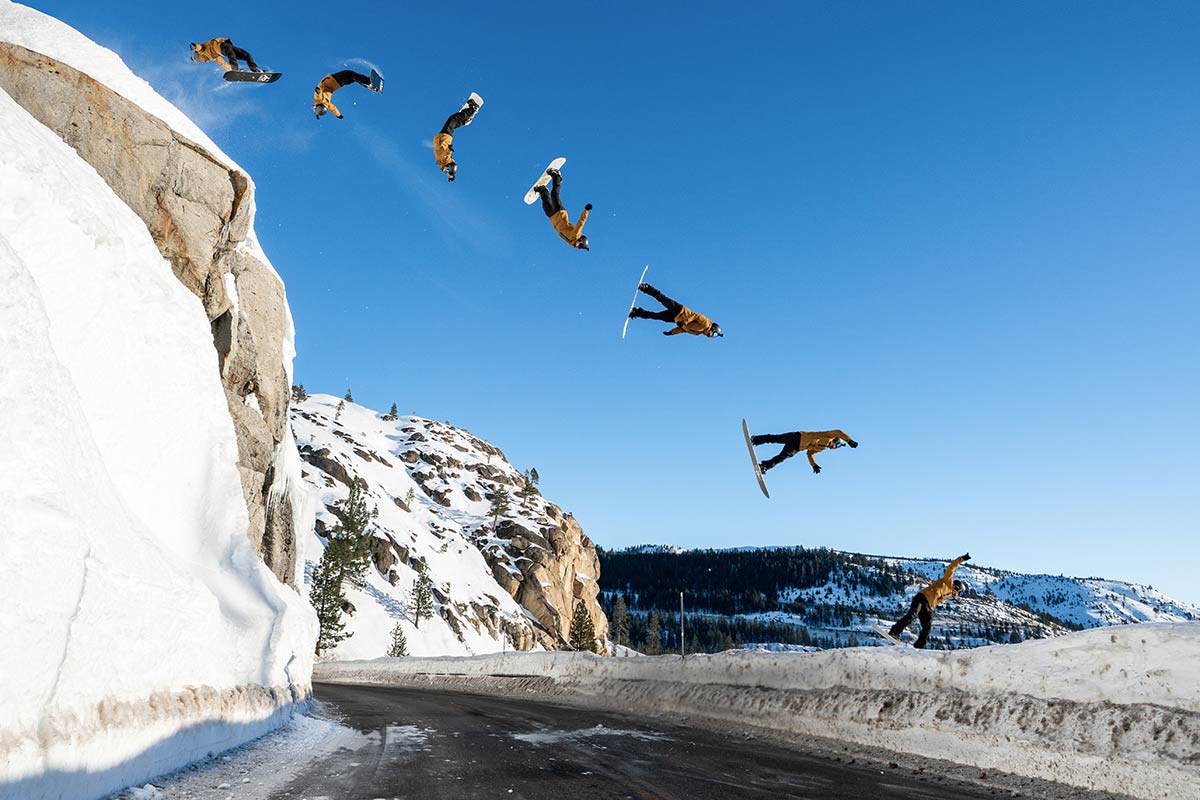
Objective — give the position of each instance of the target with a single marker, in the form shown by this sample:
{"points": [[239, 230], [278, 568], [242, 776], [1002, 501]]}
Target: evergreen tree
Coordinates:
{"points": [[337, 417], [583, 630], [619, 625], [422, 595], [501, 505], [533, 474], [399, 646], [652, 645], [349, 398], [345, 560], [298, 393], [391, 415], [529, 489]]}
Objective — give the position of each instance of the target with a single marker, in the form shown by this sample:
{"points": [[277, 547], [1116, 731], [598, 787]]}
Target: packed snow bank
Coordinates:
{"points": [[142, 630], [1114, 709]]}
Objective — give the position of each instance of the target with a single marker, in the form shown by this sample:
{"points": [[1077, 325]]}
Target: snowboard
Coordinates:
{"points": [[478, 105], [636, 289], [885, 633], [240, 76], [376, 81], [544, 179], [754, 460]]}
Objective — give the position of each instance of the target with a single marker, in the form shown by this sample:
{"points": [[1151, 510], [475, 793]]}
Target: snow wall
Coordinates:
{"points": [[142, 629], [1114, 709]]}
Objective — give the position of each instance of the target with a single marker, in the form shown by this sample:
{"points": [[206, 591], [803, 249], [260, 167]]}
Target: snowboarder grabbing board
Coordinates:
{"points": [[443, 142], [323, 94], [572, 234], [809, 441], [684, 319], [927, 600]]}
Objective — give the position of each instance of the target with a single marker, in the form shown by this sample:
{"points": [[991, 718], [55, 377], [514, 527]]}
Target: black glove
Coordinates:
{"points": [[966, 556], [666, 333], [852, 443], [816, 470], [588, 207]]}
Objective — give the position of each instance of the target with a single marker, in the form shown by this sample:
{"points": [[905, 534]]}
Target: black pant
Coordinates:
{"points": [[551, 204], [790, 442], [672, 308], [456, 120], [921, 610], [235, 54], [348, 76]]}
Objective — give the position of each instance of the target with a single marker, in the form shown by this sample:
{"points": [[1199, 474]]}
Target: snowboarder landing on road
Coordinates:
{"points": [[443, 142], [552, 205], [684, 319], [219, 50], [928, 599], [809, 441], [323, 94]]}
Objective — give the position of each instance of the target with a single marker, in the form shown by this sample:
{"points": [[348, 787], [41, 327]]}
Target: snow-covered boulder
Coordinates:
{"points": [[198, 206], [142, 630]]}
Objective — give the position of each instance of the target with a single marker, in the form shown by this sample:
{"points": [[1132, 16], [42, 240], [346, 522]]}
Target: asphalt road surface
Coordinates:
{"points": [[437, 745]]}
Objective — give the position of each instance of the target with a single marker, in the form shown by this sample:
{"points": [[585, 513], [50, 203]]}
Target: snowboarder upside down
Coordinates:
{"points": [[794, 442], [552, 205], [685, 320], [928, 599], [323, 94], [443, 147], [220, 49]]}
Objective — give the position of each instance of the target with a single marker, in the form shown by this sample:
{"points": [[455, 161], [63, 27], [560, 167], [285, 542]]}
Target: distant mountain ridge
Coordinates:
{"points": [[826, 598]]}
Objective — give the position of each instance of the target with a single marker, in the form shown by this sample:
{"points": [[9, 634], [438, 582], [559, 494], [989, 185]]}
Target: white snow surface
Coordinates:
{"points": [[1111, 709], [142, 631], [439, 535]]}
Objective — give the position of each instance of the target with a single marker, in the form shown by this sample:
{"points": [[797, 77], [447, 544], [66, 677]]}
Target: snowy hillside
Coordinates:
{"points": [[824, 598], [513, 588], [142, 629]]}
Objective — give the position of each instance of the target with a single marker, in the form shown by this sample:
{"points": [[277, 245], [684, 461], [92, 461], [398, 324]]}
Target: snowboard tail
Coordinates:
{"points": [[886, 634], [754, 460], [376, 81]]}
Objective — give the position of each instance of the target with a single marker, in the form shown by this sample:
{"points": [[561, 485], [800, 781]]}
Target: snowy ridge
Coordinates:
{"points": [[431, 483], [1115, 709]]}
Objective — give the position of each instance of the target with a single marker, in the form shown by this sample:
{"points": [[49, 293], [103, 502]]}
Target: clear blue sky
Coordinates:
{"points": [[964, 232]]}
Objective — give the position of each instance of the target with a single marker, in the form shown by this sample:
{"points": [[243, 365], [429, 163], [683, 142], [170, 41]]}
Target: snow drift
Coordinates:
{"points": [[1115, 709], [142, 630]]}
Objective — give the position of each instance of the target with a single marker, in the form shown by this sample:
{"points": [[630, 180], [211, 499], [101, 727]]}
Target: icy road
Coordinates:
{"points": [[435, 744]]}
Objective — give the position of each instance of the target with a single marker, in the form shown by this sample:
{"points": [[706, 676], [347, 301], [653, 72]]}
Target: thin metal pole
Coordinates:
{"points": [[682, 645]]}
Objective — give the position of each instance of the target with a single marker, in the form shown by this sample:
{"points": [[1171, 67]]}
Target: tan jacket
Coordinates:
{"points": [[688, 321], [323, 95], [816, 441], [211, 51], [569, 233], [942, 589], [442, 149]]}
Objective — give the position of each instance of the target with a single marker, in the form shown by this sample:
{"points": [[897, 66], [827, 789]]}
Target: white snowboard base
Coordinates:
{"points": [[532, 194], [636, 289], [754, 460]]}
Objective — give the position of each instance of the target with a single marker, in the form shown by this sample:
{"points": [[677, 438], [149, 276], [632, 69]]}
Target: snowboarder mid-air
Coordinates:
{"points": [[443, 147], [684, 319], [323, 94], [794, 442], [928, 599], [220, 49], [571, 234]]}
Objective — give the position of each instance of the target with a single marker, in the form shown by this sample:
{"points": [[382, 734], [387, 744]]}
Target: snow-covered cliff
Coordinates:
{"points": [[514, 587], [142, 628]]}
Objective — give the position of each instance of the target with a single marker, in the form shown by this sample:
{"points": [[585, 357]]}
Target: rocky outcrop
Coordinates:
{"points": [[198, 210]]}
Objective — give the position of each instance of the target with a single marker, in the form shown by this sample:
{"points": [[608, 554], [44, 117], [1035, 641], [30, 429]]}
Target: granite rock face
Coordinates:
{"points": [[198, 210]]}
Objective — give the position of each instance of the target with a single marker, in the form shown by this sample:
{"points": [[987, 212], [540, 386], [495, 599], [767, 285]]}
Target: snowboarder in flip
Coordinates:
{"points": [[552, 205], [928, 599], [443, 147], [323, 94], [794, 442], [220, 49], [685, 320]]}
